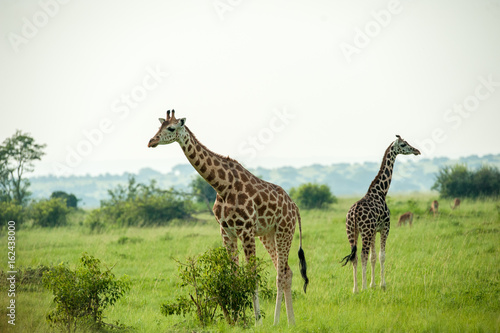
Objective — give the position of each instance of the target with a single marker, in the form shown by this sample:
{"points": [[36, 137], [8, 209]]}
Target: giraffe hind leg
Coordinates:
{"points": [[373, 260], [364, 260]]}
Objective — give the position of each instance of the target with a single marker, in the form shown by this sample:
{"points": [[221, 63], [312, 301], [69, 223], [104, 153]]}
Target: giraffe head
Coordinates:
{"points": [[170, 130], [402, 147]]}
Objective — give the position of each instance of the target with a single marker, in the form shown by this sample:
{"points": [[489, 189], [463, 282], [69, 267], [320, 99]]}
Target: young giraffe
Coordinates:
{"points": [[371, 215], [246, 207]]}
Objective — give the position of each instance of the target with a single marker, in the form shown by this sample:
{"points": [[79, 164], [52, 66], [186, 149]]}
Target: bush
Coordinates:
{"points": [[71, 200], [49, 213], [139, 205], [459, 181], [203, 192], [215, 282], [310, 196], [81, 295], [10, 211]]}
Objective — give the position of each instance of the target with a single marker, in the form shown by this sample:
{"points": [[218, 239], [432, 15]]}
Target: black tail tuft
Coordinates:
{"points": [[349, 257], [303, 268]]}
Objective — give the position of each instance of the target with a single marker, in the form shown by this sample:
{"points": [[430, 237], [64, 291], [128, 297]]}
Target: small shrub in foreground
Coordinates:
{"points": [[215, 282], [81, 295]]}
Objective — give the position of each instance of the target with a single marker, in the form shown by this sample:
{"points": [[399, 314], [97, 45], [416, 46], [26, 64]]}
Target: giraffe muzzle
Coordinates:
{"points": [[152, 143]]}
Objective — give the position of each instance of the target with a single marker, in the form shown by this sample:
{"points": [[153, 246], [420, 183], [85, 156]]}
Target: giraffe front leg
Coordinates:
{"points": [[248, 242], [382, 262], [230, 243], [364, 260], [373, 260], [355, 274]]}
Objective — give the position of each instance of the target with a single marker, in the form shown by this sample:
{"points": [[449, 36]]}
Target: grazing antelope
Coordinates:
{"points": [[434, 208], [406, 217], [456, 203]]}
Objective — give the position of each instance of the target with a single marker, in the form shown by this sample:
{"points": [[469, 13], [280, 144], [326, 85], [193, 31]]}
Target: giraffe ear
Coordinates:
{"points": [[162, 120], [182, 121]]}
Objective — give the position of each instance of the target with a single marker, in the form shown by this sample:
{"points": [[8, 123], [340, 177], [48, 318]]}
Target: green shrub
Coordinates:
{"points": [[139, 205], [81, 295], [10, 211], [71, 200], [216, 282], [310, 196], [459, 181], [49, 213]]}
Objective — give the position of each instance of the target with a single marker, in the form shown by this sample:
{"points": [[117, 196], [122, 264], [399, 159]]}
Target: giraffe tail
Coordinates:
{"points": [[302, 258], [349, 257]]}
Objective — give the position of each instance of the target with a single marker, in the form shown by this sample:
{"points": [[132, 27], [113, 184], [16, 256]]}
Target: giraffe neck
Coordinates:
{"points": [[211, 166], [380, 185]]}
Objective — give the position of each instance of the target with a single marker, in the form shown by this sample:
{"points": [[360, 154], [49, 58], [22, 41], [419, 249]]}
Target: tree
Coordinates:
{"points": [[70, 199], [203, 191], [17, 155], [49, 213], [459, 181], [310, 196]]}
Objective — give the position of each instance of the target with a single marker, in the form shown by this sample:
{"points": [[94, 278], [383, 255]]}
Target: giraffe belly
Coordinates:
{"points": [[264, 227]]}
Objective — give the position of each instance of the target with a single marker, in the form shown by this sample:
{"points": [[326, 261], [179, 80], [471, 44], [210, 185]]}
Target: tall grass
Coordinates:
{"points": [[442, 274]]}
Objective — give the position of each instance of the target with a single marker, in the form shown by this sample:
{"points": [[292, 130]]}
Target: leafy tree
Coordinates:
{"points": [[81, 295], [17, 155], [486, 181], [71, 200], [215, 282], [49, 213], [10, 211], [311, 196], [459, 181], [454, 181], [139, 205], [203, 192]]}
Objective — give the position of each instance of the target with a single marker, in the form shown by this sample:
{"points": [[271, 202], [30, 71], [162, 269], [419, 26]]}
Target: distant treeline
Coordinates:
{"points": [[410, 175]]}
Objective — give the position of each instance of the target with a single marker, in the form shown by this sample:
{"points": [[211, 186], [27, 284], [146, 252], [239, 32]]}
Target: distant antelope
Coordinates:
{"points": [[434, 208], [456, 203], [406, 217]]}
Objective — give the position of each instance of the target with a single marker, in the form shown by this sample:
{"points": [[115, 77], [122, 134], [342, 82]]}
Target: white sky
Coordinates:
{"points": [[268, 83]]}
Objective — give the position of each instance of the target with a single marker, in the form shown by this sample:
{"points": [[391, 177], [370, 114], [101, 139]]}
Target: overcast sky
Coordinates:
{"points": [[270, 83]]}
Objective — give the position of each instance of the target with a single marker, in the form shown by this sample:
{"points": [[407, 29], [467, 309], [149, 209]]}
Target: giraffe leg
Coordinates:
{"points": [[383, 238], [364, 260], [269, 243], [355, 273], [373, 259], [230, 243], [248, 243], [284, 277]]}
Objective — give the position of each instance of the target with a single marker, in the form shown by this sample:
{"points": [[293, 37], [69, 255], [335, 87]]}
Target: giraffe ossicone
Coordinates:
{"points": [[370, 215], [246, 207]]}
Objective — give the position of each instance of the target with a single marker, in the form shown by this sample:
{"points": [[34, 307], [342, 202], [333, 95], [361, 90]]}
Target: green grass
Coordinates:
{"points": [[442, 274]]}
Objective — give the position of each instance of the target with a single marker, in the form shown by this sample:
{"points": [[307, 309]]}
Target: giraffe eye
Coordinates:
{"points": [[171, 129]]}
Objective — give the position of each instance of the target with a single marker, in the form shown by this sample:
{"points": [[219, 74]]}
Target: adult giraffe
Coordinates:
{"points": [[246, 207], [371, 215]]}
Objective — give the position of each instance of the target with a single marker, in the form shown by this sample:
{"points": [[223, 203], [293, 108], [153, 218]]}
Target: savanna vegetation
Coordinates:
{"points": [[127, 265], [442, 274]]}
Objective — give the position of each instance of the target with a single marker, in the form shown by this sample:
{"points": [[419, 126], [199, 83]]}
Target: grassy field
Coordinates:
{"points": [[443, 274]]}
